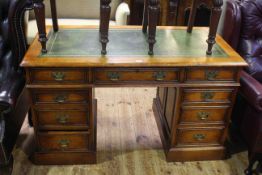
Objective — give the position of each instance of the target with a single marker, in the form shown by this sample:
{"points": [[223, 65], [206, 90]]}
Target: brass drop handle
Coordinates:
{"points": [[62, 118], [211, 75], [113, 76], [203, 115], [58, 76], [60, 98], [64, 143], [207, 96], [199, 137], [159, 76]]}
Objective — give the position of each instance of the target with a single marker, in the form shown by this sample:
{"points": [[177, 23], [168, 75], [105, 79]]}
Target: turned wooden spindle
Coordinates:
{"points": [[153, 13], [54, 15], [214, 21], [39, 9], [105, 10]]}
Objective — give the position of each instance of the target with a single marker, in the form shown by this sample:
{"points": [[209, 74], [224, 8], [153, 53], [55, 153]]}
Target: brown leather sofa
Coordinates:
{"points": [[243, 31], [13, 98]]}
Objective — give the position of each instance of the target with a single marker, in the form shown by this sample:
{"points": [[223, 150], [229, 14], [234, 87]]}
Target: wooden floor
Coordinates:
{"points": [[128, 143]]}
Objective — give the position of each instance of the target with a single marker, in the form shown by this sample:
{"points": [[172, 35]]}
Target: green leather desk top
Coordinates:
{"points": [[129, 42]]}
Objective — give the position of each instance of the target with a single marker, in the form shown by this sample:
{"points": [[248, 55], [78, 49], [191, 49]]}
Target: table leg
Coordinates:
{"points": [[192, 16], [39, 9], [105, 10], [153, 13], [145, 17], [214, 20], [54, 15]]}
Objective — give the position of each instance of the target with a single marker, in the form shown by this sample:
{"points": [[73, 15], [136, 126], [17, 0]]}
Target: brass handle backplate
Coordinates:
{"points": [[211, 75], [199, 137], [113, 76], [58, 76], [159, 76], [64, 143], [62, 118], [203, 115], [60, 98], [207, 95]]}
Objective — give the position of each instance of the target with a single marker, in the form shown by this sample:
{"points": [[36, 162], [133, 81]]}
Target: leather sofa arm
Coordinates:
{"points": [[251, 89], [10, 90], [122, 14]]}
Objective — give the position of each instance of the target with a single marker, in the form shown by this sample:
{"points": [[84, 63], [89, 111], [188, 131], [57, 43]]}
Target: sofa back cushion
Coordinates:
{"points": [[81, 9], [250, 45]]}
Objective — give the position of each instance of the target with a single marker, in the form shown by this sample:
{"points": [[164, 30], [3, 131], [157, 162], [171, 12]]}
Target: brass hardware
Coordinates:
{"points": [[60, 98], [64, 143], [58, 76], [159, 76], [203, 115], [211, 75], [207, 95], [62, 118], [199, 137], [113, 76]]}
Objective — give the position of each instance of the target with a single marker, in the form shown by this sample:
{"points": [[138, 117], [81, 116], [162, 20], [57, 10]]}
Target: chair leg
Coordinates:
{"points": [[7, 169], [214, 20], [39, 9], [153, 12], [105, 10], [192, 16], [145, 17], [54, 15]]}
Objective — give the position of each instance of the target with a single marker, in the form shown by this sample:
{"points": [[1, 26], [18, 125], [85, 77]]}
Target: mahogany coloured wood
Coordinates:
{"points": [[192, 107]]}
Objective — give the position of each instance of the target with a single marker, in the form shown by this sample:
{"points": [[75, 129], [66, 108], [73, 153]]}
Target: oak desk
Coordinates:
{"points": [[192, 106]]}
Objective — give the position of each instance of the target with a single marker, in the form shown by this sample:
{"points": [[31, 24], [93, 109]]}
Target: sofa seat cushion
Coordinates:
{"points": [[32, 27], [255, 67]]}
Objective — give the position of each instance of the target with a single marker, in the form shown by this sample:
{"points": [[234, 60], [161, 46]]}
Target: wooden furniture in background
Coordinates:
{"points": [[192, 108]]}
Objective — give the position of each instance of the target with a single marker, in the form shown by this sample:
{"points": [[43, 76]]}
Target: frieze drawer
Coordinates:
{"points": [[205, 74], [63, 141], [206, 115], [199, 136], [62, 119], [61, 97], [157, 75], [58, 76], [207, 95]]}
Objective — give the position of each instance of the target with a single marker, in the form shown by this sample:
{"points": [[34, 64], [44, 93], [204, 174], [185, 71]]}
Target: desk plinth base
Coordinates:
{"points": [[63, 158], [178, 154]]}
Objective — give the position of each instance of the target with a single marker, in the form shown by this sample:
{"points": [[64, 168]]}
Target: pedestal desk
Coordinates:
{"points": [[192, 107]]}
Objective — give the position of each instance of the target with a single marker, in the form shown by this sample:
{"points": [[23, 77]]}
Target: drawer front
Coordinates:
{"points": [[208, 95], [211, 74], [63, 141], [104, 75], [58, 76], [199, 136], [61, 97], [203, 114], [62, 118]]}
